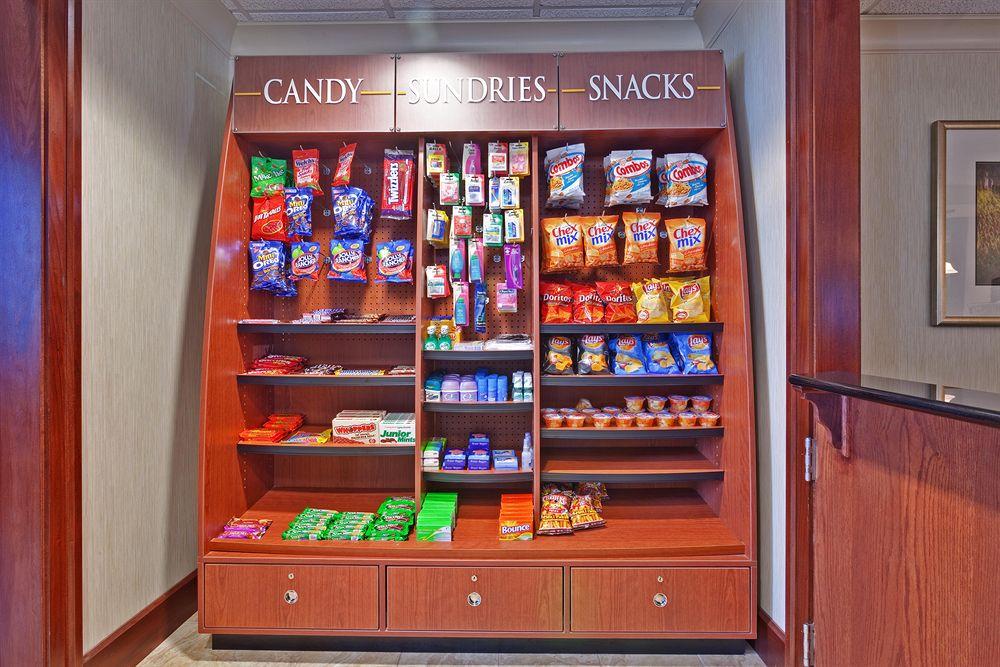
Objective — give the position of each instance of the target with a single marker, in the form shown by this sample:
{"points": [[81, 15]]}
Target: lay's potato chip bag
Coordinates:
{"points": [[628, 355], [641, 237], [652, 301], [694, 353], [688, 241], [562, 244], [691, 300], [599, 239]]}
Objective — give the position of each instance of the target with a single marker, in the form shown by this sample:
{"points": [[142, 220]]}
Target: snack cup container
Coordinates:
{"points": [[549, 411], [634, 404], [687, 419], [611, 410], [656, 403], [624, 420], [666, 420], [589, 413], [708, 419], [553, 420], [645, 420], [677, 403], [567, 411], [602, 420], [576, 420], [701, 403]]}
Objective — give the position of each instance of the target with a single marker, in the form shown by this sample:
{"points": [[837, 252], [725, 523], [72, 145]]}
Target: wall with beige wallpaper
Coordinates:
{"points": [[903, 93], [154, 103]]}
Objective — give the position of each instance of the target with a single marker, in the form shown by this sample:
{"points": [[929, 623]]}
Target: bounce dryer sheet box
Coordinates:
{"points": [[352, 427], [399, 428]]}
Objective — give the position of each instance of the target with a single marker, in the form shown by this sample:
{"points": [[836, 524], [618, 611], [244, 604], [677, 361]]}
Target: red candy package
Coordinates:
{"points": [[619, 302], [397, 184], [557, 302], [587, 305], [343, 174], [269, 221], [306, 162]]}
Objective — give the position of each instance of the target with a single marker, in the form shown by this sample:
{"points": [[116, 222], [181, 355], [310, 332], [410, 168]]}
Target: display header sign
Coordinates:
{"points": [[479, 92]]}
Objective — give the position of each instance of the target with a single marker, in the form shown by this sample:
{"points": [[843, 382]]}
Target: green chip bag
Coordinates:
{"points": [[267, 176]]}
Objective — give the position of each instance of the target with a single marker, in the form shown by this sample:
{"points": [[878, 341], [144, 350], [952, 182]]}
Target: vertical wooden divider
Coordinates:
{"points": [[536, 257], [419, 302]]}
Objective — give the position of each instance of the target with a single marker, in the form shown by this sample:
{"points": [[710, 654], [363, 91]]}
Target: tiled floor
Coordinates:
{"points": [[187, 647]]}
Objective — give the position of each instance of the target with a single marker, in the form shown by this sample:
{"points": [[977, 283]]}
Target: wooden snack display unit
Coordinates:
{"points": [[677, 558]]}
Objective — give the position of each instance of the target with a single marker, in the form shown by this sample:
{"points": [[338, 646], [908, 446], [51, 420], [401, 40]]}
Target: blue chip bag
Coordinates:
{"points": [[352, 213], [628, 358], [659, 357], [298, 211], [394, 262], [307, 262], [694, 353], [267, 263], [347, 260]]}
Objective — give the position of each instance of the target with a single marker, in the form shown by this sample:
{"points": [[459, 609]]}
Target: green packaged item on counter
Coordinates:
{"points": [[267, 176]]}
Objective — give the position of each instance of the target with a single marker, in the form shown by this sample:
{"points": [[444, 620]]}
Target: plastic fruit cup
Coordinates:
{"points": [[666, 420], [553, 420], [567, 411], [589, 413], [656, 403], [549, 411], [687, 419], [611, 410], [576, 420], [602, 420], [701, 403], [645, 420], [634, 403], [624, 419], [708, 419], [677, 403]]}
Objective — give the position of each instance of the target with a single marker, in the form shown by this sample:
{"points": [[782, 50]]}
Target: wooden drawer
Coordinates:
{"points": [[669, 599], [497, 599], [307, 597]]}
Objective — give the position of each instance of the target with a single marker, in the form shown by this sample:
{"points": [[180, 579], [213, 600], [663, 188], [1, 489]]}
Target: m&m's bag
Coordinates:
{"points": [[305, 163], [269, 221], [267, 176], [347, 260], [557, 302], [562, 243], [306, 261], [394, 262]]}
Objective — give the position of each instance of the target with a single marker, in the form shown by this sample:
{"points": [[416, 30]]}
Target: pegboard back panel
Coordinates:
{"points": [[360, 350], [506, 431], [344, 472], [321, 404]]}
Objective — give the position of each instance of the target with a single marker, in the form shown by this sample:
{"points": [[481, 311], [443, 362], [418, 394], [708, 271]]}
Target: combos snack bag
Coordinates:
{"points": [[298, 211], [628, 355], [557, 303], [687, 244], [682, 178], [694, 353], [619, 302], [267, 264], [306, 261], [306, 164], [347, 260], [592, 355], [564, 167], [352, 213], [394, 262], [659, 357], [343, 174], [599, 239], [587, 305], [691, 300], [269, 222], [558, 356], [267, 176], [652, 301], [627, 177], [397, 184], [562, 241], [641, 237]]}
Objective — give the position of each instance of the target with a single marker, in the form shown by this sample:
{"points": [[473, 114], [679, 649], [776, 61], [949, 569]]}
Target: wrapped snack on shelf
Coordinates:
{"points": [[398, 178], [557, 302], [267, 176], [688, 240], [628, 177], [587, 305], [682, 180], [558, 356], [652, 301], [564, 168], [305, 163], [641, 237], [694, 353], [599, 240], [342, 175], [562, 244]]}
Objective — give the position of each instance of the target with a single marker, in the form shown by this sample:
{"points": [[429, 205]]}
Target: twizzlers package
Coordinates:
{"points": [[397, 184]]}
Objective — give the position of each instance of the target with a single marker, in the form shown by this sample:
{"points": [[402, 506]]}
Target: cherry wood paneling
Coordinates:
{"points": [[291, 596], [770, 641], [905, 538], [620, 599], [441, 598]]}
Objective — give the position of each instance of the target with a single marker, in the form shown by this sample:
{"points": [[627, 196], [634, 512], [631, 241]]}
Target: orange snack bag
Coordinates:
{"points": [[599, 239], [688, 240], [557, 302], [641, 237], [562, 244]]}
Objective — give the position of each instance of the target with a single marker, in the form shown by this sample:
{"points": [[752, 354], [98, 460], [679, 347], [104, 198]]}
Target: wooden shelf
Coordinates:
{"points": [[478, 476], [592, 433], [301, 379], [647, 523], [480, 408], [630, 380], [623, 465], [294, 449], [693, 327], [327, 328], [479, 355]]}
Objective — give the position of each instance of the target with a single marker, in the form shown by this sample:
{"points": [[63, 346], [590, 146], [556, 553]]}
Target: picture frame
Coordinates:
{"points": [[966, 258]]}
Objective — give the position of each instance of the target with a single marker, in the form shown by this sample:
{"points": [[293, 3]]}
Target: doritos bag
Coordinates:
{"points": [[694, 353], [691, 300], [562, 244], [641, 237], [306, 165], [599, 239], [557, 302], [587, 305], [269, 222], [619, 302], [652, 301], [628, 357], [687, 244]]}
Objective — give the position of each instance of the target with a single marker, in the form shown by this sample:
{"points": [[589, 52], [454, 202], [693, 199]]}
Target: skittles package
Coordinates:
{"points": [[682, 180], [298, 211], [562, 244], [694, 353], [641, 237], [306, 261], [306, 165], [627, 177], [393, 262], [619, 302], [267, 263], [587, 305], [557, 302], [344, 160], [347, 260], [267, 176], [269, 222], [564, 168], [599, 240], [628, 355], [352, 213], [659, 358], [398, 176]]}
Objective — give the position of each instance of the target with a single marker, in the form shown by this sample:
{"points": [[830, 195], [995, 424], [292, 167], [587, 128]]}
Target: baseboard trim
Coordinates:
{"points": [[770, 642], [142, 633]]}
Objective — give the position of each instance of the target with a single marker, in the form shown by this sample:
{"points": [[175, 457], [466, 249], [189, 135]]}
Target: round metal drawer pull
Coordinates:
{"points": [[475, 599], [291, 597], [291, 575], [659, 580], [474, 578], [660, 600]]}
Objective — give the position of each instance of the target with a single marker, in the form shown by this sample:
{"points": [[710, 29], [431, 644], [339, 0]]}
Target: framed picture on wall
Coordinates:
{"points": [[967, 226]]}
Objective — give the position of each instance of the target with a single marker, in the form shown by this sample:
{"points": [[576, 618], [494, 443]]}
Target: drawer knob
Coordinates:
{"points": [[291, 597], [660, 600], [475, 599]]}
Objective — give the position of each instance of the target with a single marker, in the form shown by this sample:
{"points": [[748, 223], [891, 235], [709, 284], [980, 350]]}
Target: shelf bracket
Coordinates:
{"points": [[831, 412]]}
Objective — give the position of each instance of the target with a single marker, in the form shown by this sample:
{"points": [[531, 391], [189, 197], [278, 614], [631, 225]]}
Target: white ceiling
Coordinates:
{"points": [[309, 11], [928, 7]]}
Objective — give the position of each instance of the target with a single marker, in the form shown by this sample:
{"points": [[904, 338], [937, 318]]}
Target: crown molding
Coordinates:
{"points": [[930, 34]]}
